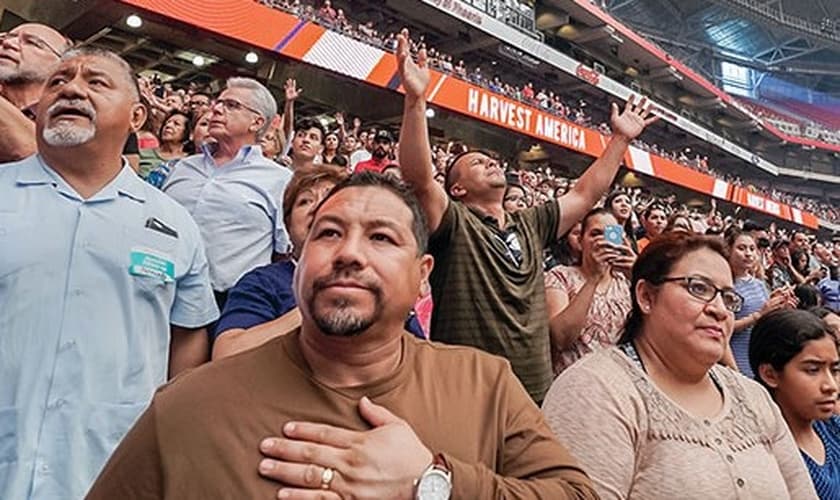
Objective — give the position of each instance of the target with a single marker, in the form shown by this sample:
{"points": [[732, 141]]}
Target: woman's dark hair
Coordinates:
{"points": [[188, 126], [562, 253], [733, 233], [593, 213], [628, 224], [779, 336], [615, 194], [655, 264], [808, 296], [795, 256]]}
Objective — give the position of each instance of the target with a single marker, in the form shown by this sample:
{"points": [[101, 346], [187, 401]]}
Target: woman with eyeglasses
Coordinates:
{"points": [[657, 416], [794, 356], [743, 255]]}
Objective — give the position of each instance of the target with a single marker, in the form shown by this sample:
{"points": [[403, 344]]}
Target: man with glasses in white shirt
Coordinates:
{"points": [[233, 192], [27, 54]]}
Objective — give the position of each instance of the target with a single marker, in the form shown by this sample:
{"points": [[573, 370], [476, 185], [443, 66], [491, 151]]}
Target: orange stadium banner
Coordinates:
{"points": [[261, 26]]}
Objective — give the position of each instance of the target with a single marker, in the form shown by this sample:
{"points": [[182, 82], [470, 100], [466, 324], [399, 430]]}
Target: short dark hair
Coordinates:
{"points": [[655, 206], [808, 295], [593, 213], [372, 179], [655, 263], [308, 123], [447, 180], [779, 336], [306, 177], [750, 225]]}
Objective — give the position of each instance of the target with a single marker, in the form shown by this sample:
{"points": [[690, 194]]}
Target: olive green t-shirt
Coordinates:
{"points": [[487, 298]]}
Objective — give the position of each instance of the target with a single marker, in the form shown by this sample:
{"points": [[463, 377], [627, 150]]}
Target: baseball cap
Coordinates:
{"points": [[383, 136]]}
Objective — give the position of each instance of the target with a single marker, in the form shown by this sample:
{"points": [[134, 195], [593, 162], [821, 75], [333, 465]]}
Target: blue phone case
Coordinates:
{"points": [[614, 234]]}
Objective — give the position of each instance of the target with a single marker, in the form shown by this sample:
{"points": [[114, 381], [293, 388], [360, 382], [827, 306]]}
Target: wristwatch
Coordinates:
{"points": [[436, 482]]}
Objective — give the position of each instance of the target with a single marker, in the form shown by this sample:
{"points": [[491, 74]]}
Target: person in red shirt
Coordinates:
{"points": [[383, 144]]}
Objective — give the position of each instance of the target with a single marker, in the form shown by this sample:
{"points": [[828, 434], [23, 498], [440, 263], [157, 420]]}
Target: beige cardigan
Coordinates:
{"points": [[635, 443]]}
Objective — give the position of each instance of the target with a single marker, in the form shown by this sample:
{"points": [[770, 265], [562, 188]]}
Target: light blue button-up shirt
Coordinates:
{"points": [[238, 207], [84, 342]]}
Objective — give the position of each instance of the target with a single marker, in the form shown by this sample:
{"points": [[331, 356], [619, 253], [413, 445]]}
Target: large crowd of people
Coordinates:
{"points": [[580, 111], [204, 295], [799, 127]]}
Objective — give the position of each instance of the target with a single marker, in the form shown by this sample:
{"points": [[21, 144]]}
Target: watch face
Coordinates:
{"points": [[435, 485]]}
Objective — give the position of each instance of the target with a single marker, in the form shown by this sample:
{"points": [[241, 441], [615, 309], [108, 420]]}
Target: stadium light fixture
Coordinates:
{"points": [[430, 113], [198, 61], [134, 21], [252, 57]]}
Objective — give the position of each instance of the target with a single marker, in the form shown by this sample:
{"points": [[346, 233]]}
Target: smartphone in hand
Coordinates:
{"points": [[614, 234]]}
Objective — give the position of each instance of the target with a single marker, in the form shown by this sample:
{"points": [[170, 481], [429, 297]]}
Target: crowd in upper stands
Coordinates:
{"points": [[290, 277], [788, 124], [579, 112]]}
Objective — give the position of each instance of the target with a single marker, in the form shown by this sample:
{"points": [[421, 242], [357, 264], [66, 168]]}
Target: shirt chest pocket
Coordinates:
{"points": [[151, 260]]}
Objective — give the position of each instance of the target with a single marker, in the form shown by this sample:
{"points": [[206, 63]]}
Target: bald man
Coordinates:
{"points": [[27, 55]]}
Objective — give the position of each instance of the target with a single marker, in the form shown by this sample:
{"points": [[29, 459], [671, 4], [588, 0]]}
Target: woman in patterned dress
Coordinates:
{"points": [[588, 303]]}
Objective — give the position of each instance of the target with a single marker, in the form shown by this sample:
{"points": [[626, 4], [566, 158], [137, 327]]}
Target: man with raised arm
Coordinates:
{"points": [[487, 283]]}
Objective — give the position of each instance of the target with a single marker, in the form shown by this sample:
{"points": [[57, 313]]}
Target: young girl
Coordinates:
{"points": [[794, 355]]}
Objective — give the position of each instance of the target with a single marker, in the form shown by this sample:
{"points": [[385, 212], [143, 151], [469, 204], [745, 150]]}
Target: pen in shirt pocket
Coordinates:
{"points": [[155, 224]]}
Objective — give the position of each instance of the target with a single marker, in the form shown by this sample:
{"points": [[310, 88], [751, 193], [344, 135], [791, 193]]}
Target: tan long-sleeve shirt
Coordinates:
{"points": [[200, 436]]}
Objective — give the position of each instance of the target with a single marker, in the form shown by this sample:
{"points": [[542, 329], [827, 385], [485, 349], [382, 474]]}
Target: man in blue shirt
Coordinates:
{"points": [[830, 289], [262, 304], [233, 192], [104, 288]]}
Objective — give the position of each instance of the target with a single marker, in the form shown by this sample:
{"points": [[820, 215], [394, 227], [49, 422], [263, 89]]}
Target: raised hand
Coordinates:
{"points": [[292, 92], [633, 120], [339, 119], [415, 76]]}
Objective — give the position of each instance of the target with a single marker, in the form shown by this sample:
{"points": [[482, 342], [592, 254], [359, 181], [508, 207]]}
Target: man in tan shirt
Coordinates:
{"points": [[362, 409]]}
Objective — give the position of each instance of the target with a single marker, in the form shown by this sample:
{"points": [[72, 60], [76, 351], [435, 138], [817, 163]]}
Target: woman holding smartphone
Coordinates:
{"points": [[588, 303]]}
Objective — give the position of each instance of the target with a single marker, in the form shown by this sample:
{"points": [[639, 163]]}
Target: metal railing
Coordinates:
{"points": [[768, 11]]}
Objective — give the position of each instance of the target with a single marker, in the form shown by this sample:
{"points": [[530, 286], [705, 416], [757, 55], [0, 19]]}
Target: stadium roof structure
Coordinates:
{"points": [[679, 47], [798, 40]]}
